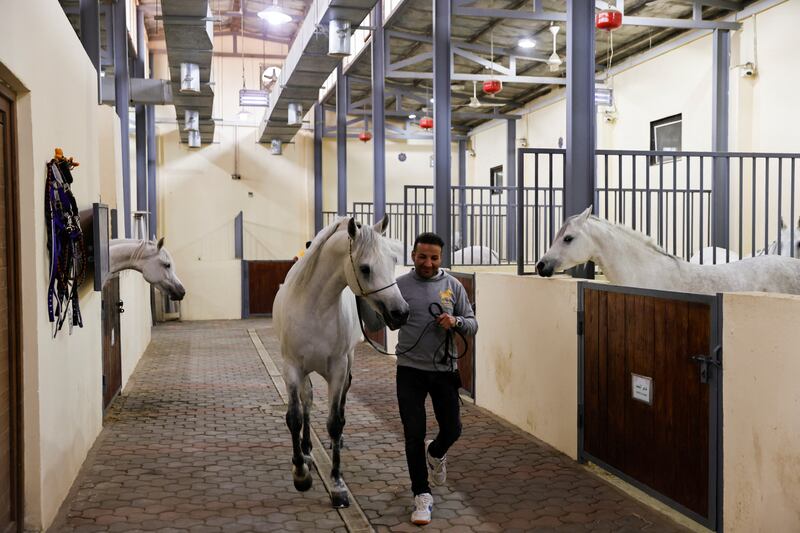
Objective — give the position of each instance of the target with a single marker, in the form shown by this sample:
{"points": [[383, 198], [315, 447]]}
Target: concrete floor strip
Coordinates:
{"points": [[354, 518]]}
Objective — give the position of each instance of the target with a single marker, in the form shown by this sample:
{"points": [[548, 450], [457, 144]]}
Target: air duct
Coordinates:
{"points": [[190, 78], [339, 38], [295, 114], [191, 120]]}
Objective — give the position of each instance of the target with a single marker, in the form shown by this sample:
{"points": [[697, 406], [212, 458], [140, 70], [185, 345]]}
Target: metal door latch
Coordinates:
{"points": [[704, 361], [120, 307]]}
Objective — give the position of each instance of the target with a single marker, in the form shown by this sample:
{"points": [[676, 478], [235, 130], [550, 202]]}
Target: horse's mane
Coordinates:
{"points": [[643, 238], [305, 266]]}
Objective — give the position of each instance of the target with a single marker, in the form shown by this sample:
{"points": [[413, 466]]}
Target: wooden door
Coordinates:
{"points": [[646, 413], [112, 351], [263, 278], [10, 364], [466, 365]]}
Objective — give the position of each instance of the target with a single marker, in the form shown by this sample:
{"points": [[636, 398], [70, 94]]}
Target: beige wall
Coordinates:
{"points": [[526, 355], [761, 413]]}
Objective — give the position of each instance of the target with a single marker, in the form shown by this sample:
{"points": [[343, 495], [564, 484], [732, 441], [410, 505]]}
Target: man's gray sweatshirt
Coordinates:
{"points": [[420, 293]]}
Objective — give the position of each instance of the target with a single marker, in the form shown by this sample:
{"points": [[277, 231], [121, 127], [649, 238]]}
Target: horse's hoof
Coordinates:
{"points": [[302, 478], [340, 500], [309, 459]]}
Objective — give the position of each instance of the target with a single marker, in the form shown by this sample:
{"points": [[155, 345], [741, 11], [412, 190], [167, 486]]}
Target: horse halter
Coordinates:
{"points": [[355, 273]]}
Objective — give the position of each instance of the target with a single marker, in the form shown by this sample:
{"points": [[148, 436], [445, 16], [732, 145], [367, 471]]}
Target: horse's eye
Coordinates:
{"points": [[167, 265], [568, 238], [365, 270]]}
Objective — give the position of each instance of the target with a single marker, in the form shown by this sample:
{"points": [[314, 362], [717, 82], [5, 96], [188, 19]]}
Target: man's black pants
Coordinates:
{"points": [[413, 386]]}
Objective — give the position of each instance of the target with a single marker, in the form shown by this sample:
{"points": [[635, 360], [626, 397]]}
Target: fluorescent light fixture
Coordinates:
{"points": [[412, 116], [603, 96], [191, 120], [194, 139], [274, 15], [526, 42], [253, 98]]}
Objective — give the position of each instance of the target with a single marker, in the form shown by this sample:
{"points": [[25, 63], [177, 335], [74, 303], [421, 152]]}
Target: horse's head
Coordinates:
{"points": [[158, 269], [369, 270], [572, 246], [790, 247]]}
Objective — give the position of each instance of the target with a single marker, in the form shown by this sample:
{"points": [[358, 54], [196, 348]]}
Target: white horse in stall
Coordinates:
{"points": [[475, 255], [633, 259], [788, 248], [316, 322], [151, 259]]}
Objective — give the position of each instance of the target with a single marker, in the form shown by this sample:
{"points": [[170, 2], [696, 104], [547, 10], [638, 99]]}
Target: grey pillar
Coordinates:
{"points": [[122, 102], [238, 236], [378, 113], [720, 86], [342, 94], [511, 181], [152, 198], [141, 122], [90, 36], [319, 128], [462, 192], [441, 125], [580, 158]]}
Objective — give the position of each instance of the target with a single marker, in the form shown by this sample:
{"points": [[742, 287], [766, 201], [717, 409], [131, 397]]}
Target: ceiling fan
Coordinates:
{"points": [[554, 61], [475, 103]]}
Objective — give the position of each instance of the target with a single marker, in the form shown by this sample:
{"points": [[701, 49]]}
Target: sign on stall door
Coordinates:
{"points": [[642, 388]]}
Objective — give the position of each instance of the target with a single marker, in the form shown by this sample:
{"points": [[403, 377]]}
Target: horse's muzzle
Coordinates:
{"points": [[177, 294], [396, 318], [544, 269]]}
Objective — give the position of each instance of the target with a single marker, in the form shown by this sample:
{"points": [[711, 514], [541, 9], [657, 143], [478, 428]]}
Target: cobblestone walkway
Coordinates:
{"points": [[198, 443]]}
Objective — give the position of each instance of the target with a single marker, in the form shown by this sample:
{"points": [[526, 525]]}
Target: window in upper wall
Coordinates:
{"points": [[496, 179], [665, 135]]}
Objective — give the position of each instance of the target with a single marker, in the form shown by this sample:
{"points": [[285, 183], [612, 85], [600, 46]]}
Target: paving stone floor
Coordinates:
{"points": [[198, 443]]}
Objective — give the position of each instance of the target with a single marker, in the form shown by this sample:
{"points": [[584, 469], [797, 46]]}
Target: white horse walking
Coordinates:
{"points": [[316, 322], [151, 259], [633, 259]]}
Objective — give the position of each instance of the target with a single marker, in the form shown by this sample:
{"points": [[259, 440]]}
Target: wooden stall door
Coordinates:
{"points": [[10, 367], [112, 351], [263, 280], [664, 444], [466, 365]]}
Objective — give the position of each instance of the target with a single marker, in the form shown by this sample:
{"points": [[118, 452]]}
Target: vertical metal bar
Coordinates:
{"points": [[441, 133], [319, 129], [462, 195], [536, 210], [141, 120], [342, 93], [780, 203], [753, 208], [766, 204], [674, 205], [605, 183], [580, 161], [152, 193], [511, 182], [521, 251], [702, 213], [238, 236], [122, 102], [719, 137], [378, 112], [551, 209], [792, 223], [620, 214], [647, 199], [90, 37], [633, 190], [741, 207], [661, 206]]}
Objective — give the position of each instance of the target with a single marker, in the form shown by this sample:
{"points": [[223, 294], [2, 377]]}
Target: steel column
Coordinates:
{"points": [[441, 121], [720, 86], [511, 181], [342, 93], [319, 126], [581, 125], [238, 236], [378, 113], [90, 36], [462, 192], [141, 123], [122, 102], [152, 198]]}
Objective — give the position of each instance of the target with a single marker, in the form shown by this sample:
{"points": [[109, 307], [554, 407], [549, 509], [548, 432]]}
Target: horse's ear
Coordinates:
{"points": [[382, 224], [352, 228], [586, 212], [160, 243]]}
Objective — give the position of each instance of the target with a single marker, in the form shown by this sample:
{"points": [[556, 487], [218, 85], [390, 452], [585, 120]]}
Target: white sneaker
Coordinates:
{"points": [[423, 506], [437, 468]]}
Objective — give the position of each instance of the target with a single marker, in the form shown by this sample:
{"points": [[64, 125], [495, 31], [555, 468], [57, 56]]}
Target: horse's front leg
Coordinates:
{"points": [[307, 399], [337, 394], [294, 420]]}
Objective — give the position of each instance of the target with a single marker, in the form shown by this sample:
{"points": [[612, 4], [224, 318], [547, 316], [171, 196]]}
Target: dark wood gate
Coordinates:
{"points": [[112, 351], [260, 283], [11, 447], [648, 405], [466, 365]]}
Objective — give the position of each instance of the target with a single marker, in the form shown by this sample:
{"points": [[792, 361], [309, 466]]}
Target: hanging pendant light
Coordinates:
{"points": [[274, 15]]}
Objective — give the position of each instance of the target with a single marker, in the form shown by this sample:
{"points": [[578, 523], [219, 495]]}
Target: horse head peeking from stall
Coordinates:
{"points": [[151, 259], [317, 324], [628, 257]]}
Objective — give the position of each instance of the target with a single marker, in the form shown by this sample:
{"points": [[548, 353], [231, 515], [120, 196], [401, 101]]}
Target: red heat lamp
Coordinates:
{"points": [[492, 86], [365, 136], [426, 123], [608, 19]]}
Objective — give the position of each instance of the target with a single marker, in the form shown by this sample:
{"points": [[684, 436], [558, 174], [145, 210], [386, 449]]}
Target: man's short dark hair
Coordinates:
{"points": [[428, 238]]}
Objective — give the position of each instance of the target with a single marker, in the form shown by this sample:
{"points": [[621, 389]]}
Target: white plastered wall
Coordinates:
{"points": [[199, 200]]}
